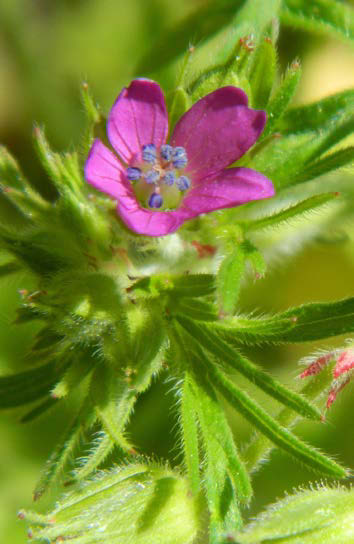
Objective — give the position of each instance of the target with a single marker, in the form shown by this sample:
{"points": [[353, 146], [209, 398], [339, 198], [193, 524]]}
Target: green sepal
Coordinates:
{"points": [[49, 159], [30, 385], [11, 216], [324, 16], [281, 98], [91, 109], [267, 425], [213, 342], [216, 77], [180, 103], [262, 73]]}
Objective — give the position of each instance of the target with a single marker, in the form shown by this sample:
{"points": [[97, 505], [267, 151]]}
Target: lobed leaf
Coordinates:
{"points": [[269, 426], [213, 342]]}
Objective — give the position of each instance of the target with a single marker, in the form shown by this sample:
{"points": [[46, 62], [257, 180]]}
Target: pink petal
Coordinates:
{"points": [[229, 188], [146, 222], [104, 171], [218, 130], [138, 117]]}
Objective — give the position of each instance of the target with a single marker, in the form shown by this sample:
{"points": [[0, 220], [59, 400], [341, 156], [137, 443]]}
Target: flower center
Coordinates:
{"points": [[159, 179]]}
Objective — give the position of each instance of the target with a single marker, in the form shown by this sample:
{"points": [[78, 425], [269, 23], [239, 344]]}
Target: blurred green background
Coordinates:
{"points": [[47, 48]]}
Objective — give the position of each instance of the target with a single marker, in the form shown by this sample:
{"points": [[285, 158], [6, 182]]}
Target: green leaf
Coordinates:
{"points": [[257, 451], [207, 335], [228, 279], [189, 434], [300, 209], [327, 164], [113, 401], [262, 73], [9, 268], [314, 116], [81, 366], [62, 455], [269, 426], [304, 323], [292, 520], [193, 285], [194, 308], [39, 410], [101, 448], [320, 16], [142, 504], [282, 97], [30, 385]]}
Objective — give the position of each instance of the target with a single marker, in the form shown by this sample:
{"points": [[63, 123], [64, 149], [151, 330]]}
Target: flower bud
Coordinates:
{"points": [[137, 504], [322, 516]]}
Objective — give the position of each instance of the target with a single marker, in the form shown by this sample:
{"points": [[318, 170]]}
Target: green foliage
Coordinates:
{"points": [[292, 519], [117, 310], [140, 503], [322, 16]]}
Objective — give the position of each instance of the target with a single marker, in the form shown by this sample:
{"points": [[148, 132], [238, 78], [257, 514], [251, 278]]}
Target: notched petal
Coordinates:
{"points": [[137, 118], [218, 130]]}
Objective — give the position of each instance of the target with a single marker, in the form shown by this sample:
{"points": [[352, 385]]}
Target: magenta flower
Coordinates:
{"points": [[159, 185]]}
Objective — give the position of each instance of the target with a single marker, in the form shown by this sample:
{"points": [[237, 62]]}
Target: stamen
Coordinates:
{"points": [[149, 153], [179, 157], [155, 200], [152, 176], [169, 178], [166, 152], [183, 183], [133, 173]]}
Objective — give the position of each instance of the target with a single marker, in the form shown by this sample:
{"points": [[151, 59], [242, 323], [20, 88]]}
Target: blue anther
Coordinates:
{"points": [[166, 152], [183, 183], [149, 153], [152, 176], [155, 200], [133, 173], [169, 178], [179, 157]]}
